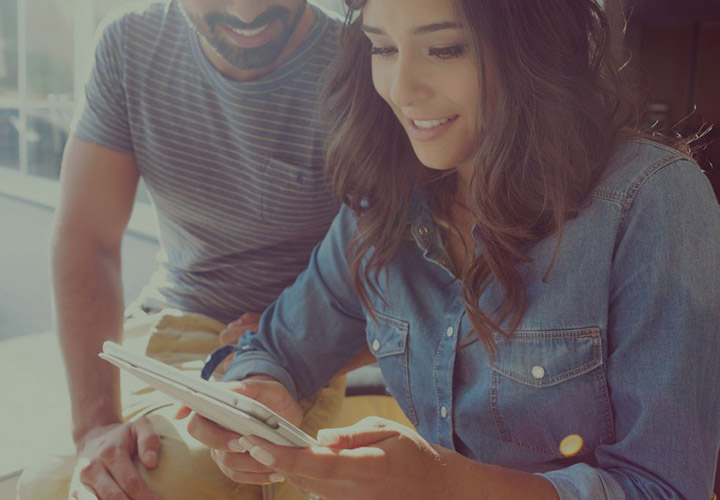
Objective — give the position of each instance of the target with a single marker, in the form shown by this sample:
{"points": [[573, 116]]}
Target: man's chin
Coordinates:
{"points": [[254, 61]]}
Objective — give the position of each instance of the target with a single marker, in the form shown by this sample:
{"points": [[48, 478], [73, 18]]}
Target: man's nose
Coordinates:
{"points": [[247, 10]]}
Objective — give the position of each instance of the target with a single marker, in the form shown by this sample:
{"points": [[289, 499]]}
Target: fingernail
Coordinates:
{"points": [[276, 478], [262, 456], [236, 445], [150, 458], [245, 443]]}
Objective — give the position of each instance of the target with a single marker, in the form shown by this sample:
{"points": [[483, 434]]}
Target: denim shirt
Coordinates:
{"points": [[619, 344]]}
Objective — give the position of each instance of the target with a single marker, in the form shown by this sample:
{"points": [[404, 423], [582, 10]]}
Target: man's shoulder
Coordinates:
{"points": [[323, 11], [328, 23]]}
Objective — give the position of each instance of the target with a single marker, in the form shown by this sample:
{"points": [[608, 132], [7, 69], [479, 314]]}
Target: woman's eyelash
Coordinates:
{"points": [[382, 51], [448, 52]]}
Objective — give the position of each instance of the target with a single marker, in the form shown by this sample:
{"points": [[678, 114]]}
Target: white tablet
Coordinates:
{"points": [[228, 409]]}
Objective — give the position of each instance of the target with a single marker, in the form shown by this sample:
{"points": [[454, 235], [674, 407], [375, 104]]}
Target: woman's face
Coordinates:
{"points": [[422, 68]]}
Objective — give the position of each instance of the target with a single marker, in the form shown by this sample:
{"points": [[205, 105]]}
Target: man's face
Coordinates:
{"points": [[248, 34]]}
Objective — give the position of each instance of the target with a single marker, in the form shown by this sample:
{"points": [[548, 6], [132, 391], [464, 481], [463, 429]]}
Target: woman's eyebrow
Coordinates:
{"points": [[420, 30]]}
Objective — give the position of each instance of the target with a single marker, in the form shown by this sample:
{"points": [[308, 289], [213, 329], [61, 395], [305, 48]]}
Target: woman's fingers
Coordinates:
{"points": [[212, 435], [239, 462], [366, 432], [312, 462], [242, 468]]}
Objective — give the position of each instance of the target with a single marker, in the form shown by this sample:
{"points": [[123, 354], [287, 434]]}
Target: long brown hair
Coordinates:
{"points": [[559, 107]]}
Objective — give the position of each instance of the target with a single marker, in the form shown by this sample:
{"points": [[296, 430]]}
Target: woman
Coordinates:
{"points": [[537, 281]]}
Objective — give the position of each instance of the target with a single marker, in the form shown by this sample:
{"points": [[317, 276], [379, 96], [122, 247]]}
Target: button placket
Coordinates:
{"points": [[446, 342]]}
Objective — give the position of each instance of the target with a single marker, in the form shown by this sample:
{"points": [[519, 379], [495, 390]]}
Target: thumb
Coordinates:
{"points": [[272, 394], [368, 431], [251, 318], [231, 335], [148, 442]]}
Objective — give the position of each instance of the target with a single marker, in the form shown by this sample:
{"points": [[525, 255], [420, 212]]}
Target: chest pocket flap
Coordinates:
{"points": [[549, 357], [387, 338]]}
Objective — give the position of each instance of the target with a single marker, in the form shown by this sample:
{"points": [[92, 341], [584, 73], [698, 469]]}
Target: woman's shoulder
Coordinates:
{"points": [[636, 162]]}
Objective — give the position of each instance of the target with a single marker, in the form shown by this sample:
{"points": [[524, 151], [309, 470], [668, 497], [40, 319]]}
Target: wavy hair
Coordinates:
{"points": [[559, 107]]}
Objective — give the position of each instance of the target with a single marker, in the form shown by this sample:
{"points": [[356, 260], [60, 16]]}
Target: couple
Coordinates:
{"points": [[527, 267]]}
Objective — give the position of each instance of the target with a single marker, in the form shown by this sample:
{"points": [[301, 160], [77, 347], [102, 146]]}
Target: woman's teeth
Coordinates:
{"points": [[429, 123]]}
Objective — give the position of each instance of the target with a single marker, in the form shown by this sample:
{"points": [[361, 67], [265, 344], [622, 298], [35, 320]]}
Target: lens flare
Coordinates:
{"points": [[571, 445]]}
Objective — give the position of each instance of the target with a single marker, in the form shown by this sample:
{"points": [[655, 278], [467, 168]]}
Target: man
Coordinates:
{"points": [[212, 103]]}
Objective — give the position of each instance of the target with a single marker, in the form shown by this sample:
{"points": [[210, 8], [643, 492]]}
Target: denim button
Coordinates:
{"points": [[450, 331], [423, 230], [443, 412], [376, 345], [538, 372]]}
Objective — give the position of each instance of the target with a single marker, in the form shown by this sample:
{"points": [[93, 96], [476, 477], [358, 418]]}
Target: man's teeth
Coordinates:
{"points": [[429, 123], [252, 32]]}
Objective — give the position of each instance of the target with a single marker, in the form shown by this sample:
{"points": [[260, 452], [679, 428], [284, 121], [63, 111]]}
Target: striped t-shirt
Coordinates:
{"points": [[235, 170]]}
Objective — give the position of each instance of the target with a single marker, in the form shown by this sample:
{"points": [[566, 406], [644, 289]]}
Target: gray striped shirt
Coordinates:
{"points": [[235, 170]]}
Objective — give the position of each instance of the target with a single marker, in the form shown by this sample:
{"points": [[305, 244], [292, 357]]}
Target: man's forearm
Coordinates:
{"points": [[89, 310]]}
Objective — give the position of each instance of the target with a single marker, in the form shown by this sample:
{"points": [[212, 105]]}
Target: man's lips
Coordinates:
{"points": [[254, 37]]}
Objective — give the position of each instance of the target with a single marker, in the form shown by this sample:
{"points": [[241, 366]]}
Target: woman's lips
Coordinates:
{"points": [[428, 130]]}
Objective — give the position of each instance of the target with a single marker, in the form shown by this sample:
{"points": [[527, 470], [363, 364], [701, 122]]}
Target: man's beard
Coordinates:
{"points": [[255, 57]]}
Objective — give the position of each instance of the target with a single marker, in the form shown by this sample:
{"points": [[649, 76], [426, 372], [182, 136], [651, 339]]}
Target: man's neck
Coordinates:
{"points": [[302, 30]]}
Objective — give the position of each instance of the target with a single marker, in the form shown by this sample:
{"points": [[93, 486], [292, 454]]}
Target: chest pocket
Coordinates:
{"points": [[388, 341], [547, 385], [295, 197]]}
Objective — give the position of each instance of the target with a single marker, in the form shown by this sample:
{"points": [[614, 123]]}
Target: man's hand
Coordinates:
{"points": [[232, 333], [107, 454], [225, 446]]}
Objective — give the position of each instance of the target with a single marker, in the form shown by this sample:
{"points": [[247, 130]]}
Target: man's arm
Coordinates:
{"points": [[97, 192], [98, 188]]}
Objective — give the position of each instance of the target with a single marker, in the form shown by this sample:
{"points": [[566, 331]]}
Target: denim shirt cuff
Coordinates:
{"points": [[582, 482], [259, 363]]}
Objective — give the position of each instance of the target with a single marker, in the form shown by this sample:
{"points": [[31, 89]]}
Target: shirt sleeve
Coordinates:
{"points": [[314, 327], [663, 340], [102, 117]]}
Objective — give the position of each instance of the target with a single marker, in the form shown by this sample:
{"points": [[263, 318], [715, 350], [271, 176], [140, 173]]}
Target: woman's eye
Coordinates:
{"points": [[448, 52], [382, 51]]}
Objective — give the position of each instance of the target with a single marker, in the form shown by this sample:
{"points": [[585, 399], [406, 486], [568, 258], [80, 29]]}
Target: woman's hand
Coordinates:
{"points": [[373, 459], [225, 448]]}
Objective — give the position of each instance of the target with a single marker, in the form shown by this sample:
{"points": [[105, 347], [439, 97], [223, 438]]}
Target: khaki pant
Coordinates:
{"points": [[185, 470]]}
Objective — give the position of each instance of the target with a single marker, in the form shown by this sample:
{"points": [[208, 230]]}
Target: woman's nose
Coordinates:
{"points": [[408, 86]]}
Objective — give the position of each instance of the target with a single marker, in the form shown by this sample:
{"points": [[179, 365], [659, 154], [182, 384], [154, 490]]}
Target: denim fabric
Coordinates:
{"points": [[619, 344]]}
